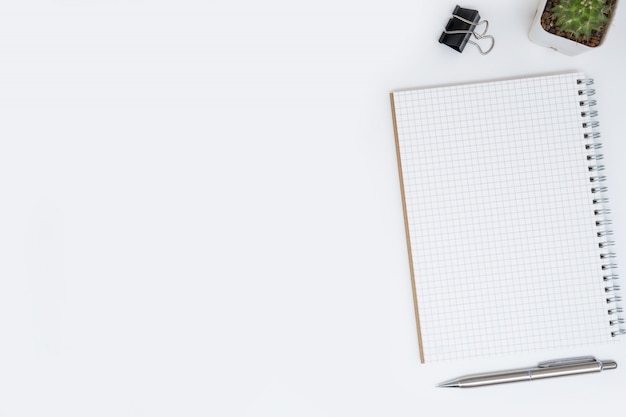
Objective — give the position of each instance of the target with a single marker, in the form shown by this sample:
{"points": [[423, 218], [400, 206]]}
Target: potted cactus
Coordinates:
{"points": [[572, 26]]}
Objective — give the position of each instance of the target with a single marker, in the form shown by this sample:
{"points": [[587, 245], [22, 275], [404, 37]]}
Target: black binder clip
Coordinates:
{"points": [[461, 27]]}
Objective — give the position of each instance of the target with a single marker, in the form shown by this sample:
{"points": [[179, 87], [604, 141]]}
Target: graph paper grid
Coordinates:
{"points": [[500, 217]]}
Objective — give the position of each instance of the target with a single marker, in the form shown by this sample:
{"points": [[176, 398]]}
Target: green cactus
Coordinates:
{"points": [[581, 17]]}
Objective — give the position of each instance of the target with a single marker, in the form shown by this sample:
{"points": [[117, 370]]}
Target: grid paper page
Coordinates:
{"points": [[500, 217]]}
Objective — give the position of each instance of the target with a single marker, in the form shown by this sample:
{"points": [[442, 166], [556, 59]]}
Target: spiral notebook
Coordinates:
{"points": [[507, 218]]}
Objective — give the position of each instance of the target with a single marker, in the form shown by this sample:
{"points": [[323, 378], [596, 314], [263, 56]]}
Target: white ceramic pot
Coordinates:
{"points": [[540, 36]]}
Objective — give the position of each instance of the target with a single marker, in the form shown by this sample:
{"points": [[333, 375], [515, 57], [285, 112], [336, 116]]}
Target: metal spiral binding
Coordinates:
{"points": [[610, 276]]}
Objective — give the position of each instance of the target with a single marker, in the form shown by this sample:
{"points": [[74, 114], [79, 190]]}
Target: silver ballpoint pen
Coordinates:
{"points": [[548, 369]]}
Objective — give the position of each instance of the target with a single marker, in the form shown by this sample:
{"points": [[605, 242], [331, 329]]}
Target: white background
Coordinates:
{"points": [[200, 211]]}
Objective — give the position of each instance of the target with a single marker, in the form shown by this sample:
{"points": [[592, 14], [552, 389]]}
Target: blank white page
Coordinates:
{"points": [[500, 217]]}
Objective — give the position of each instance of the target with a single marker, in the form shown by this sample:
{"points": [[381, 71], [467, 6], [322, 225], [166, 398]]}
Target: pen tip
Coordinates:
{"points": [[449, 384]]}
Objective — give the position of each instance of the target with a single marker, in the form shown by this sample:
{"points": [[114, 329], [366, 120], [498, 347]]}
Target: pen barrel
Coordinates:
{"points": [[503, 377], [518, 375], [551, 369], [564, 370]]}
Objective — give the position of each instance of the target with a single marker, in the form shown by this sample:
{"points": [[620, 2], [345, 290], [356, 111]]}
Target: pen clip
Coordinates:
{"points": [[567, 361]]}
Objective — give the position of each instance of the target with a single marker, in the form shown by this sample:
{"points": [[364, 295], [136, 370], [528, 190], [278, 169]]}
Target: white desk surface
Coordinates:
{"points": [[200, 211]]}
